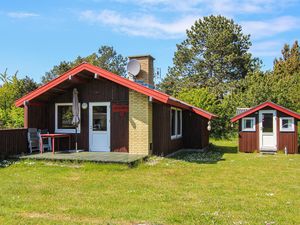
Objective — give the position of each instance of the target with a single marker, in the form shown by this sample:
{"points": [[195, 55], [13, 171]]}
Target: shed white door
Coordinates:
{"points": [[267, 130], [99, 126]]}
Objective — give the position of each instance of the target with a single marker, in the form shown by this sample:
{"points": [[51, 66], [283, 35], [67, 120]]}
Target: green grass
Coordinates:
{"points": [[221, 187]]}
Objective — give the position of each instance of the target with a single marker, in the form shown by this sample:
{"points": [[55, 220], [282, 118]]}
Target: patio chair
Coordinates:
{"points": [[33, 140], [46, 142]]}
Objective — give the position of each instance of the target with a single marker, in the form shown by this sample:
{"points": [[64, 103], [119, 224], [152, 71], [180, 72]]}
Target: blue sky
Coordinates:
{"points": [[36, 35]]}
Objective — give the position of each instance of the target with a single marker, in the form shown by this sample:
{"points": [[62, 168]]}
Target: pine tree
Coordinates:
{"points": [[215, 52]]}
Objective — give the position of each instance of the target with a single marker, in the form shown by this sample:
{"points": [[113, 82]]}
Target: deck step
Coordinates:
{"points": [[268, 151]]}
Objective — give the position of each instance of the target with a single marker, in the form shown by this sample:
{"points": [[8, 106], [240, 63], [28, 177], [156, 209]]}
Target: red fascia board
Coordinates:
{"points": [[101, 72], [198, 111], [49, 85], [157, 95], [284, 110], [263, 105], [128, 83], [204, 114], [201, 112], [178, 104]]}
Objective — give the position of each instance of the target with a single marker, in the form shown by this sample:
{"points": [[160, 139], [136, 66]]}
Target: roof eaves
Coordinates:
{"points": [[49, 85], [262, 105], [157, 95], [197, 110]]}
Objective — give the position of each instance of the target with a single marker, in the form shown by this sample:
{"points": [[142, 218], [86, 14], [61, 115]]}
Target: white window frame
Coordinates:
{"points": [[177, 135], [282, 129], [253, 119], [69, 131]]}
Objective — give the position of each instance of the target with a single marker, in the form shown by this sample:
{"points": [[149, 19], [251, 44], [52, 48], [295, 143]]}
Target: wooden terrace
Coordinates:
{"points": [[85, 156]]}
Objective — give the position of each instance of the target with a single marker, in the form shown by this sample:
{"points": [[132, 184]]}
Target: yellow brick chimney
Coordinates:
{"points": [[140, 110], [147, 70]]}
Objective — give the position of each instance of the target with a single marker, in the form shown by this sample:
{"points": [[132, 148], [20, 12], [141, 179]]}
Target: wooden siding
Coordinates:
{"points": [[249, 140], [204, 134], [120, 131], [287, 139], [36, 116], [97, 90], [194, 131], [13, 142], [162, 142]]}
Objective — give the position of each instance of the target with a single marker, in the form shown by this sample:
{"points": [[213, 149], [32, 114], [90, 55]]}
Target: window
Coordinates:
{"points": [[99, 118], [267, 122], [287, 124], [248, 124], [63, 118], [176, 123]]}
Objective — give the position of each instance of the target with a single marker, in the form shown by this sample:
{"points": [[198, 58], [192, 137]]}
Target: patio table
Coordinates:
{"points": [[53, 136]]}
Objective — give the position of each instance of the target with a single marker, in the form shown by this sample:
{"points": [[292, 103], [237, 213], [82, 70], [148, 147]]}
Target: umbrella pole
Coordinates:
{"points": [[76, 139]]}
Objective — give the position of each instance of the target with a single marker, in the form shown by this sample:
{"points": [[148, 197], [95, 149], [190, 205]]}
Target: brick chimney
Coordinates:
{"points": [[147, 70]]}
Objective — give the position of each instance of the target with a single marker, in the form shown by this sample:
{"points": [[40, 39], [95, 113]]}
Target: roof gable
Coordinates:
{"points": [[263, 105], [157, 95]]}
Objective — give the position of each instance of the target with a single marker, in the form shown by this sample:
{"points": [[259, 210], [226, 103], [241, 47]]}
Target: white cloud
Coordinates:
{"points": [[223, 7], [260, 29], [167, 5], [270, 48], [230, 7], [149, 19], [21, 15], [139, 25]]}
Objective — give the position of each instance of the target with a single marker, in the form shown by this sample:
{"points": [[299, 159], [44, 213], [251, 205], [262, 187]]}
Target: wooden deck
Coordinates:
{"points": [[85, 156]]}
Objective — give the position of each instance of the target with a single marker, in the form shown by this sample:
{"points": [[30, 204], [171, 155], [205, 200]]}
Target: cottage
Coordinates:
{"points": [[267, 127], [117, 114]]}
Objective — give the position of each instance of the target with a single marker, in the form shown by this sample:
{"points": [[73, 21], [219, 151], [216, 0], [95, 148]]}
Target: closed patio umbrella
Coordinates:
{"points": [[75, 111]]}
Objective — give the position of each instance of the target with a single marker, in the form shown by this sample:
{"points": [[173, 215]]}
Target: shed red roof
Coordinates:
{"points": [[263, 105], [157, 95]]}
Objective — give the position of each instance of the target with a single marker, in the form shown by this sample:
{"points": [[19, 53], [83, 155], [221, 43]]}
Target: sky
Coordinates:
{"points": [[36, 35]]}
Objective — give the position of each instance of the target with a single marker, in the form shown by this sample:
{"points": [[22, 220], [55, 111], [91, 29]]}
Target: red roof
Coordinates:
{"points": [[157, 95], [263, 105]]}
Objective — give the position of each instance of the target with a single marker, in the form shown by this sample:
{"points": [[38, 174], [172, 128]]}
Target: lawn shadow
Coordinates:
{"points": [[204, 157], [6, 163], [213, 154], [225, 149]]}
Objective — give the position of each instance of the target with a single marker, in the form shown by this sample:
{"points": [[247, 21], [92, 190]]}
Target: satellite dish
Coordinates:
{"points": [[133, 67]]}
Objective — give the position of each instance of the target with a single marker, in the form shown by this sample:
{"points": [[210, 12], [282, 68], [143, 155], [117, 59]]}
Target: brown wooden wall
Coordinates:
{"points": [[97, 90], [194, 131], [287, 139], [38, 116], [162, 142], [13, 142], [249, 140], [204, 133]]}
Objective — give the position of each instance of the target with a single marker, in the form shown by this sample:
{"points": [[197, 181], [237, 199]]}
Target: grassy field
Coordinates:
{"points": [[220, 187]]}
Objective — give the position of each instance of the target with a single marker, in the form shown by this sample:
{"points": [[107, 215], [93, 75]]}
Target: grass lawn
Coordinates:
{"points": [[220, 187]]}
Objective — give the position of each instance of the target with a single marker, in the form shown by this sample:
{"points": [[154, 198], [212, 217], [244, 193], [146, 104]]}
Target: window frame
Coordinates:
{"points": [[177, 112], [253, 129], [282, 129], [71, 130]]}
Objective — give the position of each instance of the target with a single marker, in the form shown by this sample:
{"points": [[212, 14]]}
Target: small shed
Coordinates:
{"points": [[267, 127]]}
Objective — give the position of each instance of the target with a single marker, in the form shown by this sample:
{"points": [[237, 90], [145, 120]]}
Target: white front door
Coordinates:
{"points": [[99, 126], [267, 130]]}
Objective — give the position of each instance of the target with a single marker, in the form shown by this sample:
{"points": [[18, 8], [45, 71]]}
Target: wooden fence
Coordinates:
{"points": [[13, 142]]}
